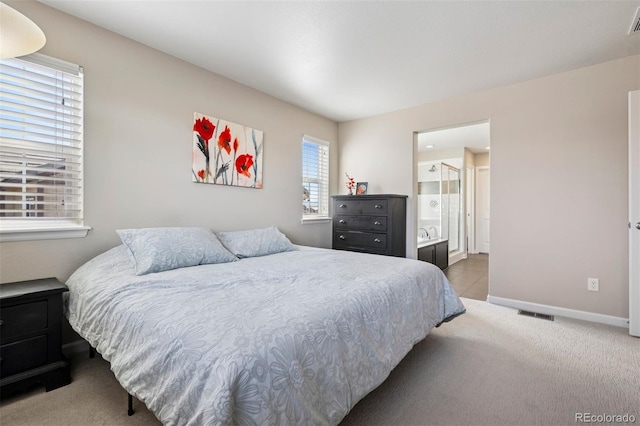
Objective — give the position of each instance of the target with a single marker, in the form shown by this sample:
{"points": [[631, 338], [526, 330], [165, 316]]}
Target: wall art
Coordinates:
{"points": [[226, 153]]}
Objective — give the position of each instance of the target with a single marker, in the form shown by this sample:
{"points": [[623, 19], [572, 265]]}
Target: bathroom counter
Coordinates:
{"points": [[425, 243]]}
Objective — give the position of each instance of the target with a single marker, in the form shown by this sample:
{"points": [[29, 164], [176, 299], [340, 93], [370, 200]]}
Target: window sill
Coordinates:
{"points": [[53, 233], [309, 220]]}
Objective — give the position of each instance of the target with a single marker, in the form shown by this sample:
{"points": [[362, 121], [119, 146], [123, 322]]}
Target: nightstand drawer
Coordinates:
{"points": [[360, 206], [22, 319], [31, 335], [23, 355], [360, 239], [362, 223]]}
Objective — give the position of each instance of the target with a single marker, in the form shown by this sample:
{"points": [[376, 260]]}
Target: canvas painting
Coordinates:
{"points": [[226, 153]]}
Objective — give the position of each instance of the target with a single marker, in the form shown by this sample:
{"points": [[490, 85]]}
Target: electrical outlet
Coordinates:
{"points": [[593, 284]]}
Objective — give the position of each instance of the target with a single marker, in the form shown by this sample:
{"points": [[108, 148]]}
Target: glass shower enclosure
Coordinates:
{"points": [[440, 203], [450, 205]]}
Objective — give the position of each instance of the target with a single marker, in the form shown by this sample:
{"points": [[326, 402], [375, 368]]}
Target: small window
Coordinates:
{"points": [[41, 152], [315, 179]]}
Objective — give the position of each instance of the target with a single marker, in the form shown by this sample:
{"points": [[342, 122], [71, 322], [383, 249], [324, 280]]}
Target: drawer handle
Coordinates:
{"points": [[342, 206], [341, 221], [376, 223], [377, 206], [377, 240], [1, 322], [341, 237]]}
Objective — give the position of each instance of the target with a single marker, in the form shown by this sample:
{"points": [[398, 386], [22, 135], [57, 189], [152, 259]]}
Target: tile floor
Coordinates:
{"points": [[470, 277]]}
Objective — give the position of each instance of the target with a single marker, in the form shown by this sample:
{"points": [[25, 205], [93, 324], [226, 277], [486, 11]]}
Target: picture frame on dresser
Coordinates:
{"points": [[361, 188]]}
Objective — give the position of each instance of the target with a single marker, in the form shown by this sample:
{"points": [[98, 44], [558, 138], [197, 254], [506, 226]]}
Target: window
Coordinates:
{"points": [[315, 179], [41, 153]]}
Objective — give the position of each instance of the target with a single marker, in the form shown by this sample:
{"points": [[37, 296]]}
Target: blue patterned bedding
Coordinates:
{"points": [[291, 338]]}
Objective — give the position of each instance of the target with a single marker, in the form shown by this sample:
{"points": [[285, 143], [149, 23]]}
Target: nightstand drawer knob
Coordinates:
{"points": [[341, 237], [378, 206], [342, 206], [376, 223], [377, 240], [1, 322], [341, 221]]}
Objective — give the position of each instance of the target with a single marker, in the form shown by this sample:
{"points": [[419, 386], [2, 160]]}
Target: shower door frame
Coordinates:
{"points": [[459, 242]]}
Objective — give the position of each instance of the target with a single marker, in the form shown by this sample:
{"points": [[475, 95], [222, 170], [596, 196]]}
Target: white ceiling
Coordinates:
{"points": [[474, 137], [351, 59]]}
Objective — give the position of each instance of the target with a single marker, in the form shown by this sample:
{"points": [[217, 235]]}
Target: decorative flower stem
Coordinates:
{"points": [[351, 183]]}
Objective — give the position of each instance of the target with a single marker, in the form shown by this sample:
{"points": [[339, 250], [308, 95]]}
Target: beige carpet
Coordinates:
{"points": [[487, 367]]}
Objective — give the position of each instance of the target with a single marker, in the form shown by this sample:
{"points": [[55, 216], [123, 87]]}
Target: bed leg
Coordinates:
{"points": [[92, 352], [130, 409]]}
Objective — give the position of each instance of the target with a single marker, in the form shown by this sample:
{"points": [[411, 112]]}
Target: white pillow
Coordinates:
{"points": [[161, 249], [255, 242]]}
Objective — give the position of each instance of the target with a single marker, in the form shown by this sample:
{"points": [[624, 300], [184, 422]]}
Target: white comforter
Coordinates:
{"points": [[291, 338]]}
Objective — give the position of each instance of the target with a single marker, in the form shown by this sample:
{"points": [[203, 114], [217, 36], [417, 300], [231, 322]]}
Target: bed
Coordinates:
{"points": [[284, 335]]}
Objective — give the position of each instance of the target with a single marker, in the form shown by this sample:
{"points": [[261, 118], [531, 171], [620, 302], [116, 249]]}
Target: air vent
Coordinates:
{"points": [[635, 25], [535, 315]]}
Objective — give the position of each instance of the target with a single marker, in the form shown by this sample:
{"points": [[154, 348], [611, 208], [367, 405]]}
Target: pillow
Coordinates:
{"points": [[161, 249], [255, 242]]}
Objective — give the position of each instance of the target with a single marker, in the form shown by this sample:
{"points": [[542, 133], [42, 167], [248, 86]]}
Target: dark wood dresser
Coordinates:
{"points": [[31, 335], [370, 223]]}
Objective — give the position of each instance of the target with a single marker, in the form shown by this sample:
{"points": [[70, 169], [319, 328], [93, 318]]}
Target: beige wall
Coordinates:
{"points": [[139, 106], [558, 179], [481, 160]]}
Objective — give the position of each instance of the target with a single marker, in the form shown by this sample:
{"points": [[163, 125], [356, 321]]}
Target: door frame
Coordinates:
{"points": [[634, 213], [479, 169], [470, 202]]}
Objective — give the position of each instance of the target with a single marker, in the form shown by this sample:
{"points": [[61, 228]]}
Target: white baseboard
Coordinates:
{"points": [[561, 312], [456, 257]]}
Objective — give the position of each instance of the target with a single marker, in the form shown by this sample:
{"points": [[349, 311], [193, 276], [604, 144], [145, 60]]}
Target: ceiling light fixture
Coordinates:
{"points": [[19, 35]]}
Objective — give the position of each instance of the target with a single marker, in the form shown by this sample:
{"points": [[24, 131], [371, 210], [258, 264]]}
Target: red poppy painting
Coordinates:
{"points": [[234, 156]]}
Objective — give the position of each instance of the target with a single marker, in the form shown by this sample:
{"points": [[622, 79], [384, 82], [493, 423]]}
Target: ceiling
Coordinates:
{"points": [[474, 137], [346, 60]]}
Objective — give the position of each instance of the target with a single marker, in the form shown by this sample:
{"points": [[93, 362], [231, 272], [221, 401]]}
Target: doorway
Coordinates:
{"points": [[465, 149]]}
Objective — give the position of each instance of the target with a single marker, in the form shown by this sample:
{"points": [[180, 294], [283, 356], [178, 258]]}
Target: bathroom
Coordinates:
{"points": [[439, 211], [447, 162]]}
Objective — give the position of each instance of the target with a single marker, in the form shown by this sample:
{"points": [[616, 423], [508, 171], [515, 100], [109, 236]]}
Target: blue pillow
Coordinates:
{"points": [[255, 242], [161, 249]]}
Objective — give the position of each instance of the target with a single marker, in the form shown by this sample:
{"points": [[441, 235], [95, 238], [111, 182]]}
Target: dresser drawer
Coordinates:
{"points": [[360, 206], [23, 355], [373, 223], [22, 319], [361, 223], [360, 239]]}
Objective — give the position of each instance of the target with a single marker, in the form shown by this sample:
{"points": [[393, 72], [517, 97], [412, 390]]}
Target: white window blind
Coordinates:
{"points": [[315, 178], [41, 134]]}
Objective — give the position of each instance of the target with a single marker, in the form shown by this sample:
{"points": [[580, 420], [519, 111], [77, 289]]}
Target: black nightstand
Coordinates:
{"points": [[31, 335]]}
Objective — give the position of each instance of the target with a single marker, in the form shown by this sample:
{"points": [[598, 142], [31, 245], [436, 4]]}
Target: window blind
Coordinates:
{"points": [[41, 134], [315, 178]]}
